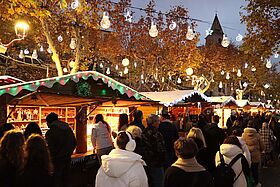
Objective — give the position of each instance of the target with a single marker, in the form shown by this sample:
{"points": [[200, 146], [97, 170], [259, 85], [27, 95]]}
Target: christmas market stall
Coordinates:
{"points": [[72, 97], [183, 105], [222, 107]]}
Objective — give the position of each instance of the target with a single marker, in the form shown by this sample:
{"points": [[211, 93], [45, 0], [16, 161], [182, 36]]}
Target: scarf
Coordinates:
{"points": [[188, 165]]}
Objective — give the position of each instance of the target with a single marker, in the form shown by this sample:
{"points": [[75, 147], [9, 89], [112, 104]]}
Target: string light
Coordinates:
{"points": [[222, 72], [245, 84], [49, 50], [225, 41], [246, 65], [239, 74], [21, 55], [153, 32], [73, 43], [75, 4], [59, 38], [220, 84], [190, 34], [128, 17], [34, 54], [162, 79], [105, 22], [108, 71], [268, 64], [253, 69], [125, 71], [189, 71], [26, 51], [276, 55], [179, 81], [227, 76], [117, 67], [65, 70], [71, 64], [266, 86], [41, 49]]}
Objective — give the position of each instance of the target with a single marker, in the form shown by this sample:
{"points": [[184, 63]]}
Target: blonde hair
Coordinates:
{"points": [[196, 133], [134, 131]]}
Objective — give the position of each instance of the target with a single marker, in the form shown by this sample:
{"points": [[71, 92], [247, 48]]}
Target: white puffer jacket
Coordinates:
{"points": [[229, 151], [121, 168]]}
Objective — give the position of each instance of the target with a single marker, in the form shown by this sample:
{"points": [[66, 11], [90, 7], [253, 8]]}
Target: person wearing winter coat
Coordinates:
{"points": [[61, 143], [267, 138], [255, 145], [230, 149], [245, 149], [186, 171], [122, 167], [101, 137]]}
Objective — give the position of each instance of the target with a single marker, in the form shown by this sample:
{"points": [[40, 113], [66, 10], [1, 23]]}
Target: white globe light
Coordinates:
{"points": [[75, 4], [239, 38], [253, 69], [125, 62], [105, 22], [225, 41], [268, 64], [190, 34], [26, 51], [41, 49], [71, 64], [266, 86], [65, 70], [49, 50], [73, 43], [179, 81], [245, 84], [189, 71], [59, 38], [222, 72], [153, 32]]}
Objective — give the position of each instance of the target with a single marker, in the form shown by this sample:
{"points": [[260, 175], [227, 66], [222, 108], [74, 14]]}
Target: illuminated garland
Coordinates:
{"points": [[14, 89]]}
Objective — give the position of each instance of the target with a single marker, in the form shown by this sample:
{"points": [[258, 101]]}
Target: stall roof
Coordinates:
{"points": [[222, 99], [32, 86], [170, 98], [242, 103], [7, 79], [257, 104]]}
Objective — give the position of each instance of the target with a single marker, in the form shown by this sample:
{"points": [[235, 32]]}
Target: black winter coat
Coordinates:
{"points": [[8, 173]]}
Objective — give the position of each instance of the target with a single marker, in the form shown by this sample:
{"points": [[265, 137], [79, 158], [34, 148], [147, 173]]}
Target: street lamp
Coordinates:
{"points": [[21, 29]]}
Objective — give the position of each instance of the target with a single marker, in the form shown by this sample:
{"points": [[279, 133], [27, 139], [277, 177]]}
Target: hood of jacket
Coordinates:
{"points": [[250, 131], [59, 124], [119, 161], [230, 150]]}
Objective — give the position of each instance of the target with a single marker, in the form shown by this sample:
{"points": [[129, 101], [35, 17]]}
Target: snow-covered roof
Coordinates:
{"points": [[170, 98], [257, 104], [242, 103], [221, 99], [7, 79]]}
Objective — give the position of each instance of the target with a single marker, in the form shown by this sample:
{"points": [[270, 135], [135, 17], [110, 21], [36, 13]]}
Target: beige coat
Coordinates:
{"points": [[254, 143]]}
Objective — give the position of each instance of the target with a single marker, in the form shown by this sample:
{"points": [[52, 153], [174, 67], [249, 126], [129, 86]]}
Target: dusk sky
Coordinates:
{"points": [[228, 13]]}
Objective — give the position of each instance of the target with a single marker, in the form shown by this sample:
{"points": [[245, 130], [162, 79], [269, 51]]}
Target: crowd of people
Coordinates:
{"points": [[27, 159], [205, 155], [154, 154]]}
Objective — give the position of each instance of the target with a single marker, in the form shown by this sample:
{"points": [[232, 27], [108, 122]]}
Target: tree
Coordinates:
{"points": [[263, 24]]}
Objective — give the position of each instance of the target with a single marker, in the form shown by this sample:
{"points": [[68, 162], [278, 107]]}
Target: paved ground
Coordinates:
{"points": [[270, 177]]}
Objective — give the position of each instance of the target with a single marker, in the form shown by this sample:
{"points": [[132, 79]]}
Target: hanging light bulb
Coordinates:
{"points": [[190, 34], [225, 41], [266, 86], [21, 55], [73, 43], [125, 71], [205, 83], [59, 38], [253, 69], [170, 78], [276, 55], [26, 51], [101, 65], [189, 71], [239, 38], [49, 50], [245, 84], [34, 54], [162, 79], [75, 4], [268, 64], [121, 73], [233, 70], [71, 64], [239, 74], [227, 76], [222, 72], [135, 64], [41, 49], [125, 62], [179, 81], [117, 67], [108, 71], [153, 32], [246, 65], [172, 26], [142, 76], [65, 70], [105, 22], [220, 84]]}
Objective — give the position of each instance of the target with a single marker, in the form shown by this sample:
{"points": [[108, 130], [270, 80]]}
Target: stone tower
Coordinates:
{"points": [[217, 35]]}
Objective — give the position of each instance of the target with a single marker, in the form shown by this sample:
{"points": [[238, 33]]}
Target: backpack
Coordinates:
{"points": [[224, 174]]}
